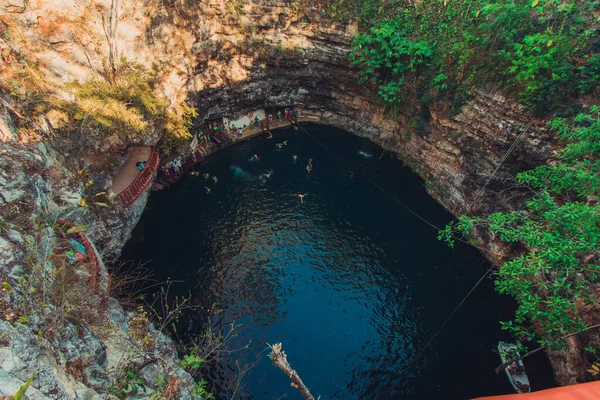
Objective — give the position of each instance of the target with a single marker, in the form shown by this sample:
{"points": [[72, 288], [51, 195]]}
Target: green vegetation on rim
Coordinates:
{"points": [[544, 53], [559, 228]]}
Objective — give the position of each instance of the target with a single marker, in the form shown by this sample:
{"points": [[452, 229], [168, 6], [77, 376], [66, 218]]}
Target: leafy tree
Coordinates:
{"points": [[544, 52], [559, 228], [389, 56]]}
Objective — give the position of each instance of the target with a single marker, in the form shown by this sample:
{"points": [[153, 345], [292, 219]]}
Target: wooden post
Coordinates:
{"points": [[279, 358]]}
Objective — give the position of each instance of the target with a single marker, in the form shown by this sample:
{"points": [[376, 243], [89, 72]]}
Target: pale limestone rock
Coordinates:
{"points": [[7, 132], [26, 354], [13, 188], [9, 386], [8, 253], [13, 6]]}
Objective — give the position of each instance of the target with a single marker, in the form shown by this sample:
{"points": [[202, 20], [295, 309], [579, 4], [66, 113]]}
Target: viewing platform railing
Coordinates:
{"points": [[141, 182]]}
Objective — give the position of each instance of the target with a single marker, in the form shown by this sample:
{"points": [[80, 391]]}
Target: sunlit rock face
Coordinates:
{"points": [[228, 59]]}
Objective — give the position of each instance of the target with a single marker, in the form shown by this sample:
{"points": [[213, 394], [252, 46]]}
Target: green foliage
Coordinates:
{"points": [[560, 229], [198, 391], [366, 12], [544, 54], [131, 382], [461, 226], [20, 394], [130, 107], [388, 55], [191, 361]]}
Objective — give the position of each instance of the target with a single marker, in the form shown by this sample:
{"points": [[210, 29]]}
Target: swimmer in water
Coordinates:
{"points": [[279, 145], [270, 135], [295, 128], [206, 176], [254, 157], [266, 176], [207, 189], [301, 197], [285, 142], [295, 158], [309, 166], [215, 179]]}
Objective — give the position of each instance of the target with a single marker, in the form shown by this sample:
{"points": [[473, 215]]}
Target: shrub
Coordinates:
{"points": [[559, 229]]}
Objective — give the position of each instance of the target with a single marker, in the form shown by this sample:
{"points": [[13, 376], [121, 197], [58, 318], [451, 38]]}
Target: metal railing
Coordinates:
{"points": [[141, 182]]}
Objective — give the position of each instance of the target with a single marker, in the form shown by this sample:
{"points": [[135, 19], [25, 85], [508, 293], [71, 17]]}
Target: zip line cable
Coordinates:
{"points": [[436, 334], [502, 160], [455, 310], [490, 269], [396, 200]]}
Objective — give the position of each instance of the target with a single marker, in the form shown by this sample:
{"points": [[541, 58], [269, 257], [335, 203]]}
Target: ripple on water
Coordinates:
{"points": [[352, 284]]}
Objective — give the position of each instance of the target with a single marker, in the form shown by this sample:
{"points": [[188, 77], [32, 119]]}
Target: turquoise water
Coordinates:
{"points": [[351, 283]]}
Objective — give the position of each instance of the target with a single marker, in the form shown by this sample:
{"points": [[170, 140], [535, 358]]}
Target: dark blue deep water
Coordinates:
{"points": [[351, 283]]}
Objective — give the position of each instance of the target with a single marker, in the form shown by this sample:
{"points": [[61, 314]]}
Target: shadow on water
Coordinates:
{"points": [[351, 283]]}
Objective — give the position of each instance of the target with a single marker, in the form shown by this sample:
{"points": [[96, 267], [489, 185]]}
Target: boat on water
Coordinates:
{"points": [[515, 370]]}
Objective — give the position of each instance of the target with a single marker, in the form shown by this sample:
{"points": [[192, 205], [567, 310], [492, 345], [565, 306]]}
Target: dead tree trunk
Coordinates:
{"points": [[280, 360], [110, 31]]}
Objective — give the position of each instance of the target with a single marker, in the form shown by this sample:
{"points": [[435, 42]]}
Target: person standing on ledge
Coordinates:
{"points": [[256, 121], [279, 115]]}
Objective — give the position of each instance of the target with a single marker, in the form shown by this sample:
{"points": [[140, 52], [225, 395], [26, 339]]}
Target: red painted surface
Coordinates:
{"points": [[137, 187], [583, 391]]}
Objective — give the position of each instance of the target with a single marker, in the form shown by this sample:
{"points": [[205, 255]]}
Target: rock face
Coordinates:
{"points": [[76, 344], [227, 58]]}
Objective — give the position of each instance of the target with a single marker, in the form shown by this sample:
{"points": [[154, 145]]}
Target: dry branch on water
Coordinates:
{"points": [[279, 358]]}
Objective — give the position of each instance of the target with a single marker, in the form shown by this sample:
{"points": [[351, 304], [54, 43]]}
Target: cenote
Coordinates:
{"points": [[350, 282]]}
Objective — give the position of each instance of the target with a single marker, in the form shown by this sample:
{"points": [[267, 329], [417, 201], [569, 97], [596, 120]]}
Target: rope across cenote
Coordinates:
{"points": [[435, 335]]}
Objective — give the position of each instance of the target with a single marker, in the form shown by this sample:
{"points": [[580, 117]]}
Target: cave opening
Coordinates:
{"points": [[351, 283]]}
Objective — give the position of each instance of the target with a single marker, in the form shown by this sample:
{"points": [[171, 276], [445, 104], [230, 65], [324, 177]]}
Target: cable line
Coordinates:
{"points": [[396, 200], [490, 269], [502, 160], [455, 309]]}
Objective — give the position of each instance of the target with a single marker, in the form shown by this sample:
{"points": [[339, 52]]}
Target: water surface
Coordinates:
{"points": [[351, 282]]}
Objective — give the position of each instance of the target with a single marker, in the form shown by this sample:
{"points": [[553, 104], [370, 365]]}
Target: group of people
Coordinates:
{"points": [[289, 113], [264, 177], [204, 137], [175, 165]]}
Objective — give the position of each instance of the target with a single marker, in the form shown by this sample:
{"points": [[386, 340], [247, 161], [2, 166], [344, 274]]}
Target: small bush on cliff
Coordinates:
{"points": [[560, 229], [130, 107]]}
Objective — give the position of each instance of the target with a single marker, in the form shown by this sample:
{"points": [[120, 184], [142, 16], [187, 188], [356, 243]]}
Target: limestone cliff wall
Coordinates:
{"points": [[226, 58]]}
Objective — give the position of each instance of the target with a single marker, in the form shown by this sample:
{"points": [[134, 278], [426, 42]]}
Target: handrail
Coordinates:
{"points": [[140, 183]]}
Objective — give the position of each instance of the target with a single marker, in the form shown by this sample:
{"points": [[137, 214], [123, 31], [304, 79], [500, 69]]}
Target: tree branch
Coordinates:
{"points": [[279, 358]]}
